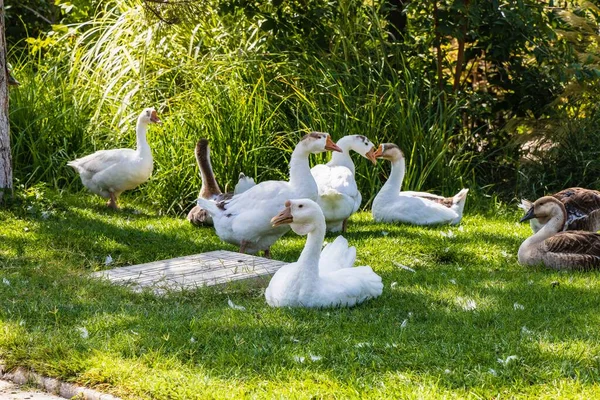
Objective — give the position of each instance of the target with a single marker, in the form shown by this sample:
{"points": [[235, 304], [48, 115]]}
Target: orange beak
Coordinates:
{"points": [[154, 118], [379, 152], [372, 155], [331, 146], [284, 217]]}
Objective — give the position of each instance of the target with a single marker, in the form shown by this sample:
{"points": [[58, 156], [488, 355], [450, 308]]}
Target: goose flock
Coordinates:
{"points": [[321, 199]]}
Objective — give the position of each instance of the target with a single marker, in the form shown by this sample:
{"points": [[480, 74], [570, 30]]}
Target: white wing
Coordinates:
{"points": [[417, 210], [334, 179], [101, 160], [337, 255]]}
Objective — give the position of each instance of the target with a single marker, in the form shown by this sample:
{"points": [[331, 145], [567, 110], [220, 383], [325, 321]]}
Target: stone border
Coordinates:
{"points": [[23, 376]]}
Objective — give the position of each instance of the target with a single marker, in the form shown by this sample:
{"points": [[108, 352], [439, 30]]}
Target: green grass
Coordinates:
{"points": [[418, 340]]}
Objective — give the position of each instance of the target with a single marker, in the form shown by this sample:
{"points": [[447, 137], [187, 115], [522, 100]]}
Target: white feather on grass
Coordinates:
{"points": [[397, 264], [508, 360], [83, 332], [235, 306]]}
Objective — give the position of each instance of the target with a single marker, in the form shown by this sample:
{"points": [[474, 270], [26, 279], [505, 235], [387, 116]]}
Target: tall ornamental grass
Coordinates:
{"points": [[219, 78]]}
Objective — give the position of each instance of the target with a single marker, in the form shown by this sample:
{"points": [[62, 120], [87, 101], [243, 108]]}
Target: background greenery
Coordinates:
{"points": [[500, 96]]}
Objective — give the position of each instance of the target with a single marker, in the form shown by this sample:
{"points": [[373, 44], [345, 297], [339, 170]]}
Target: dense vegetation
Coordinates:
{"points": [[500, 96]]}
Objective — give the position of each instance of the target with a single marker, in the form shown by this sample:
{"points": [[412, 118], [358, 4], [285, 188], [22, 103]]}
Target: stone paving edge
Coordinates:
{"points": [[22, 376]]}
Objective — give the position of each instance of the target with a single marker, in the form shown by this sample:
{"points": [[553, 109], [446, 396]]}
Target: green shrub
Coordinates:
{"points": [[83, 90]]}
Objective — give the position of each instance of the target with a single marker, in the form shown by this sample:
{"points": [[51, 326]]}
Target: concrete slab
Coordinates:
{"points": [[194, 271]]}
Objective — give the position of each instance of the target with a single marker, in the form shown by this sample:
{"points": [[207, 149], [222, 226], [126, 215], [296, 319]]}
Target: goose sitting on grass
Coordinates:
{"points": [[418, 208], [210, 189], [553, 247], [339, 197], [320, 278], [244, 220], [108, 173], [582, 206]]}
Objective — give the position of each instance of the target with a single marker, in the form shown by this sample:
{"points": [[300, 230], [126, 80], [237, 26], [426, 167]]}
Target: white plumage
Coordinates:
{"points": [[418, 208], [244, 183], [320, 278], [108, 173], [244, 220], [339, 196]]}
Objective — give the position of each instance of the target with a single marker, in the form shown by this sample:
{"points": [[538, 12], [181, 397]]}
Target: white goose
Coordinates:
{"points": [[108, 173], [418, 208], [244, 220], [319, 278], [210, 188], [339, 197]]}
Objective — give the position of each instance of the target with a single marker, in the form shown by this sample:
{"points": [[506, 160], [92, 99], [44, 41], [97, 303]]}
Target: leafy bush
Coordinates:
{"points": [[224, 82]]}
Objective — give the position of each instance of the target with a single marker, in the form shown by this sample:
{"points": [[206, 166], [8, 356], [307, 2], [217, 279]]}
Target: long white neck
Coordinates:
{"points": [[343, 159], [309, 258], [140, 130], [394, 182], [300, 177]]}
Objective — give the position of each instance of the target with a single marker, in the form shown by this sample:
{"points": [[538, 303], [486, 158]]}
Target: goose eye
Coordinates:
{"points": [[300, 205]]}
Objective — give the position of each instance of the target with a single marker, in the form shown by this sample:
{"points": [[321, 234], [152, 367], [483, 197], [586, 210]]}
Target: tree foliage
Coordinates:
{"points": [[516, 69]]}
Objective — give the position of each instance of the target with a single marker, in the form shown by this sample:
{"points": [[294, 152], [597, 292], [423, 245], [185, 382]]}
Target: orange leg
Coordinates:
{"points": [[344, 225]]}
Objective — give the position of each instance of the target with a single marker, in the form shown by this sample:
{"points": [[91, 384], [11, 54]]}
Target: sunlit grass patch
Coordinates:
{"points": [[458, 318]]}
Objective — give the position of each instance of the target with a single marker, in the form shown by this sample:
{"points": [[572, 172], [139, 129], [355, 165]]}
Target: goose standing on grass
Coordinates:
{"points": [[324, 278], [583, 209], [108, 173], [245, 219], [339, 197], [210, 189], [418, 208], [555, 248]]}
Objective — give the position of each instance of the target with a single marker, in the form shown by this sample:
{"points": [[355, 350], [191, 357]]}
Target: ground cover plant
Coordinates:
{"points": [[458, 318]]}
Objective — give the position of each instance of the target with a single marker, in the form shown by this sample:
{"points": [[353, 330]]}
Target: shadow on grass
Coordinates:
{"points": [[422, 326]]}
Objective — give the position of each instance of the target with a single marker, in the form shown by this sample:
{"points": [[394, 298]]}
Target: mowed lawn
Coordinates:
{"points": [[469, 322]]}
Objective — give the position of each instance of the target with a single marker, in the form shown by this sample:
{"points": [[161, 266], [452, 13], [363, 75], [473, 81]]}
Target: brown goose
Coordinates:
{"points": [[210, 189], [582, 206], [550, 246]]}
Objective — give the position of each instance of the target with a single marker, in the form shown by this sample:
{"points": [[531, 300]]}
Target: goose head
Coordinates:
{"points": [[363, 146], [389, 151], [544, 209], [149, 116], [318, 142], [303, 216]]}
